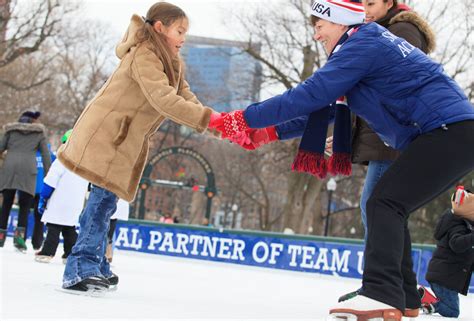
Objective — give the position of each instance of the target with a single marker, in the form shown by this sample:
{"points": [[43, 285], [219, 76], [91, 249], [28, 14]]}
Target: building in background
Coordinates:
{"points": [[221, 74]]}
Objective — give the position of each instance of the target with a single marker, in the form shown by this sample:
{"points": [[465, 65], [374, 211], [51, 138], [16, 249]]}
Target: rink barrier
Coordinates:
{"points": [[325, 255], [314, 254]]}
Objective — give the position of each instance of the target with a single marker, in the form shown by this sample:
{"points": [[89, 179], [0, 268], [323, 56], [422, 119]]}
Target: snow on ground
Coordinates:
{"points": [[154, 287]]}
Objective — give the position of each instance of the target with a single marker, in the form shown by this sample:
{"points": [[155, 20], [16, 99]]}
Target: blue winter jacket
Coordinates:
{"points": [[394, 86]]}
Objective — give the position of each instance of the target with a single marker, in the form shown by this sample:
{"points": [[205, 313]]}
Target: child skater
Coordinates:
{"points": [[450, 269], [122, 213], [61, 202], [109, 143]]}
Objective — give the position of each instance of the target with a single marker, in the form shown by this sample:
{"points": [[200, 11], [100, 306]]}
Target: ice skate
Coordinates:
{"points": [[428, 300], [19, 240], [409, 313], [93, 286], [42, 258], [362, 308], [113, 281], [64, 258]]}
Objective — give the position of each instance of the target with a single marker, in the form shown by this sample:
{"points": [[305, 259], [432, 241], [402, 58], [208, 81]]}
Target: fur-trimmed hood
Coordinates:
{"points": [[416, 20], [25, 127]]}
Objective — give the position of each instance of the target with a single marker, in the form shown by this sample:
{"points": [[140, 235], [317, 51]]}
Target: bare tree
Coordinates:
{"points": [[289, 55], [23, 30]]}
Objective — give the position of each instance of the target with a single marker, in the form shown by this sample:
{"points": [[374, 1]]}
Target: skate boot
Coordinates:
{"points": [[409, 313], [64, 258], [113, 281], [427, 300], [42, 257], [3, 236], [19, 239], [92, 286], [362, 308], [109, 252]]}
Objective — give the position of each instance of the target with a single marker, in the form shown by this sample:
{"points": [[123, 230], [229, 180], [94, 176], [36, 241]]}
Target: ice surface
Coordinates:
{"points": [[155, 287]]}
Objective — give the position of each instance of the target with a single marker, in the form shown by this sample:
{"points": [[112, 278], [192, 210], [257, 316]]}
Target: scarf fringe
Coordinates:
{"points": [[340, 163], [309, 162]]}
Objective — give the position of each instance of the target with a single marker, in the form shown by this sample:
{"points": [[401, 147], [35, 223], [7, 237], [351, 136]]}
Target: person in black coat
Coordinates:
{"points": [[451, 266]]}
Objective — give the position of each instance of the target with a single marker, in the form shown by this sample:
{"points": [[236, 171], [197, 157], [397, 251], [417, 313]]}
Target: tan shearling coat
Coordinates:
{"points": [[109, 142]]}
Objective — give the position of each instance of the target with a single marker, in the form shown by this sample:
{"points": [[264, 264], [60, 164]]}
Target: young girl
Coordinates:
{"points": [[109, 143]]}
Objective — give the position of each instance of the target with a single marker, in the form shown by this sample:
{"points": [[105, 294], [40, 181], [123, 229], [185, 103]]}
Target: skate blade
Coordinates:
{"points": [[91, 293], [42, 259], [112, 288], [22, 251], [341, 317], [350, 317]]}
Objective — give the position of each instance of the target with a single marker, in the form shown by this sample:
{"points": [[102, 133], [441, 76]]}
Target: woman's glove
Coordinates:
{"points": [[229, 124], [254, 138]]}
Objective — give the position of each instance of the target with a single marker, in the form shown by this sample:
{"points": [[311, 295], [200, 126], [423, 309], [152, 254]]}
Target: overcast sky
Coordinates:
{"points": [[206, 17]]}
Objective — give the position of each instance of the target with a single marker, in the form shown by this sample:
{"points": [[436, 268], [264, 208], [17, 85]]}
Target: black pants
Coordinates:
{"points": [[38, 230], [24, 202], [433, 163], [52, 239]]}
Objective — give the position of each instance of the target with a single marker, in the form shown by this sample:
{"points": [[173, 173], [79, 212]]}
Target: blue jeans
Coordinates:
{"points": [[448, 305], [375, 171], [87, 258]]}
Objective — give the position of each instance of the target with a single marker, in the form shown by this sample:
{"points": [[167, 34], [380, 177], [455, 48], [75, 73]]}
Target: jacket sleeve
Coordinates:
{"points": [[148, 72], [188, 95], [55, 174], [45, 154], [292, 129], [461, 242], [342, 72]]}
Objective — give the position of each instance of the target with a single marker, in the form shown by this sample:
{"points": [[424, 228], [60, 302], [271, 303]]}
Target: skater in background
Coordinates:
{"points": [[452, 264], [61, 202], [122, 213], [20, 141], [109, 143], [38, 229], [409, 102]]}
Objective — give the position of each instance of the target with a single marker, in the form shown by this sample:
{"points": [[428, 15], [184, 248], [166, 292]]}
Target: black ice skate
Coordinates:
{"points": [[113, 281], [92, 286]]}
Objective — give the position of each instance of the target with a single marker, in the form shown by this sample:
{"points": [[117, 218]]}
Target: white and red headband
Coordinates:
{"points": [[344, 12]]}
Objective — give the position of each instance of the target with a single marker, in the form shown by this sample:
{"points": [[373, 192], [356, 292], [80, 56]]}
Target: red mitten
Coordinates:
{"points": [[216, 120], [254, 138], [262, 136], [232, 123]]}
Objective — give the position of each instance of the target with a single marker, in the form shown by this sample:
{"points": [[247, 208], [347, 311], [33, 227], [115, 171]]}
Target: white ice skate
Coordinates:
{"points": [[43, 258], [362, 308]]}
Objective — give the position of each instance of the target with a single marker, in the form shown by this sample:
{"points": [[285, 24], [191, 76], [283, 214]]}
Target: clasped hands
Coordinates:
{"points": [[233, 127]]}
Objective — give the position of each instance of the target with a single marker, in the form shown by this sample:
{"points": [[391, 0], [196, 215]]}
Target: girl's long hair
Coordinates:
{"points": [[167, 13]]}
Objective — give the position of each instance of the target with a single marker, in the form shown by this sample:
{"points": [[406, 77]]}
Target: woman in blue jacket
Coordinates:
{"points": [[408, 100]]}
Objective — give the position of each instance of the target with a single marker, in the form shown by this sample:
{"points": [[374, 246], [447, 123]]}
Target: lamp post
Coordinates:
{"points": [[331, 187], [234, 209]]}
